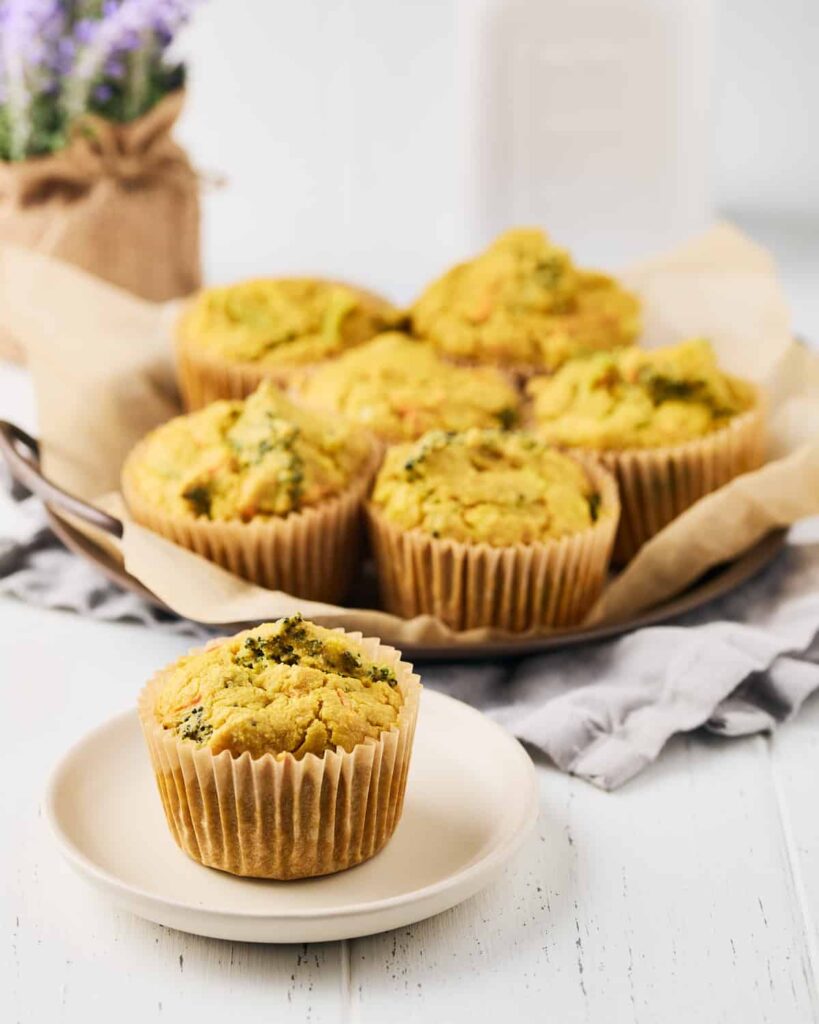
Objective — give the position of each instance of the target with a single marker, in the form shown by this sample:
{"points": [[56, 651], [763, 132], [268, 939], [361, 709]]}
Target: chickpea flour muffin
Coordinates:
{"points": [[282, 752], [263, 488], [669, 423], [523, 305], [231, 338], [491, 528], [400, 388]]}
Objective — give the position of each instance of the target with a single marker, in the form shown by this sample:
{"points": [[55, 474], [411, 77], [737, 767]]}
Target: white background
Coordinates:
{"points": [[767, 109], [364, 137]]}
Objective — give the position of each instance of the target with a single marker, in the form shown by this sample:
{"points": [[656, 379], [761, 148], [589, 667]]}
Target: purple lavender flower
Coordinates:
{"points": [[115, 67], [60, 58], [84, 31], [64, 55], [30, 31], [126, 27]]}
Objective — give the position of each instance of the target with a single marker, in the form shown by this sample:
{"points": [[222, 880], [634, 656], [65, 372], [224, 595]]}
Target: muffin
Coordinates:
{"points": [[523, 305], [231, 338], [491, 528], [263, 488], [282, 752], [400, 388], [669, 424]]}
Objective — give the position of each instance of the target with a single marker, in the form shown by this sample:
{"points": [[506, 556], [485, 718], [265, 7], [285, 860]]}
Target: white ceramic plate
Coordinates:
{"points": [[471, 800]]}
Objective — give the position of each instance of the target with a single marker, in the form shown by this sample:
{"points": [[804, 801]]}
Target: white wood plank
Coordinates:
{"points": [[69, 956], [668, 901], [795, 755]]}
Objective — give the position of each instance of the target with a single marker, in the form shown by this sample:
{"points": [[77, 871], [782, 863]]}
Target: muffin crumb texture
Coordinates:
{"points": [[400, 388], [288, 687], [244, 460], [486, 486], [638, 399], [523, 303], [284, 321]]}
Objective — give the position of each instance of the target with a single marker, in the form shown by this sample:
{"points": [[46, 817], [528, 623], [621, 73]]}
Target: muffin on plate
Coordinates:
{"points": [[400, 388], [668, 422], [491, 528], [523, 305], [229, 339], [282, 752], [263, 488]]}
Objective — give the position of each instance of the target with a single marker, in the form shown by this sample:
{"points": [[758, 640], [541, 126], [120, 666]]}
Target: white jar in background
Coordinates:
{"points": [[597, 121]]}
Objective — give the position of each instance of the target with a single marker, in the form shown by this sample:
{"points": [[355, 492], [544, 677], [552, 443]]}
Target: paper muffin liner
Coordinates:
{"points": [[553, 583], [278, 816], [204, 378], [658, 484], [312, 553]]}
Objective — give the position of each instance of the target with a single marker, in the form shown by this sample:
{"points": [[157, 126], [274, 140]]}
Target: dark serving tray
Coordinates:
{"points": [[21, 452]]}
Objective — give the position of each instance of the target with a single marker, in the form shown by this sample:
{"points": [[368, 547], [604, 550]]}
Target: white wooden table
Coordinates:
{"points": [[690, 895]]}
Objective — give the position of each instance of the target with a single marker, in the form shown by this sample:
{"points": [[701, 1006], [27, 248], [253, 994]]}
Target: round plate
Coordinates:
{"points": [[714, 584], [469, 806]]}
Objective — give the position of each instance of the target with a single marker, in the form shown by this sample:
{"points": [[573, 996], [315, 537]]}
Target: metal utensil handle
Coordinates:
{"points": [[22, 454]]}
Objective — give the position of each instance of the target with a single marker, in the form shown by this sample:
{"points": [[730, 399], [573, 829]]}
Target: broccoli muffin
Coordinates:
{"points": [[400, 388], [638, 399], [669, 423], [522, 304], [231, 338], [262, 487], [282, 752], [485, 487], [491, 528]]}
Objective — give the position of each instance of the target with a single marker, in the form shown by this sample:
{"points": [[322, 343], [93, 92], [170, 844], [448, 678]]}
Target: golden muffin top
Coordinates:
{"points": [[400, 388], [522, 303], [485, 486], [282, 322], [284, 687], [637, 399], [246, 460]]}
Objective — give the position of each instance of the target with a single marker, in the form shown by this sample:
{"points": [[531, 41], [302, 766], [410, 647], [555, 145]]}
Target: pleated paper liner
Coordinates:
{"points": [[204, 378], [553, 583], [658, 484], [312, 553], [279, 817]]}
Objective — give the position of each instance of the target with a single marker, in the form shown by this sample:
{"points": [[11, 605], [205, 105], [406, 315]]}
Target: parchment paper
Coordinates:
{"points": [[103, 376]]}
